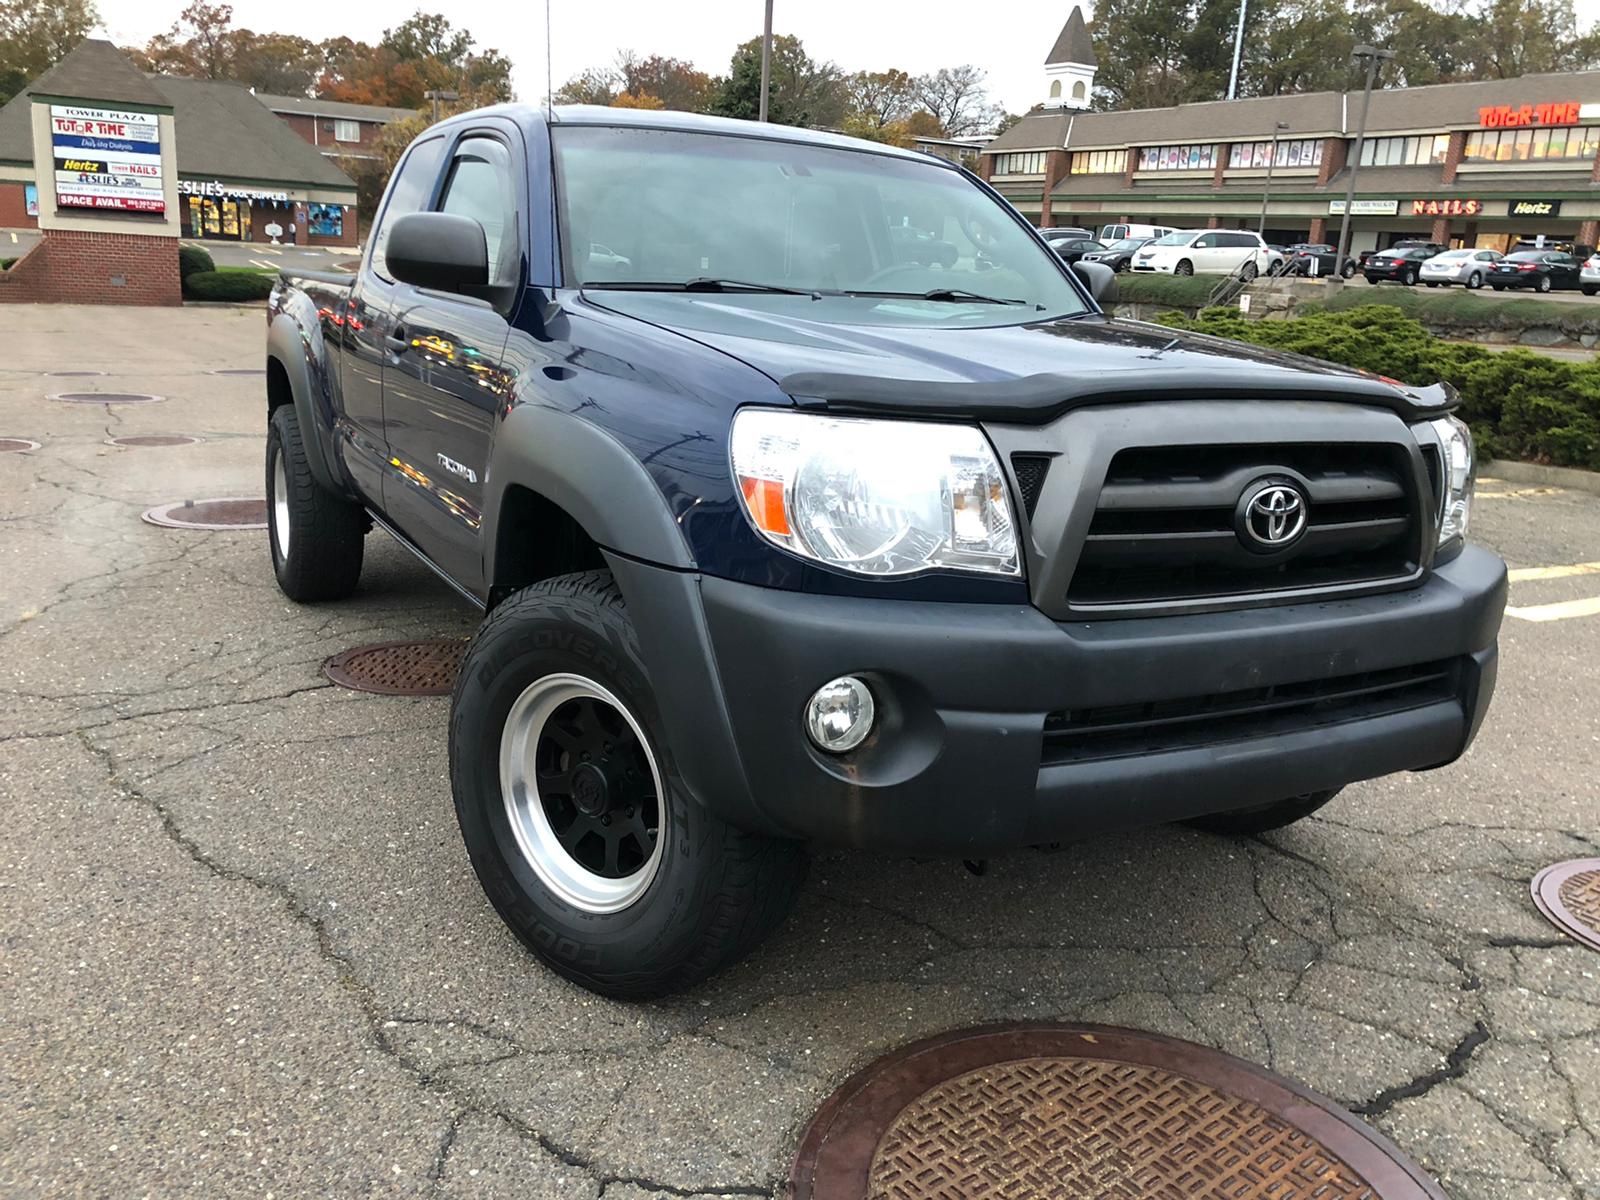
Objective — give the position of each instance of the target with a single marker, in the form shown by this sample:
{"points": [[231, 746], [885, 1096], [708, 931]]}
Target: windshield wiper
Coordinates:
{"points": [[944, 294], [701, 283]]}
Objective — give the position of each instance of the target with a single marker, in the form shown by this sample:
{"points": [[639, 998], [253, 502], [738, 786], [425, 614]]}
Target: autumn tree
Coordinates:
{"points": [[35, 35], [803, 91], [956, 98], [597, 85], [881, 98], [674, 82]]}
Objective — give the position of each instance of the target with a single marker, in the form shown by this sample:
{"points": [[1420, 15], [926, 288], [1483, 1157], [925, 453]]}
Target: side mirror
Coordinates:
{"points": [[1100, 279], [444, 252]]}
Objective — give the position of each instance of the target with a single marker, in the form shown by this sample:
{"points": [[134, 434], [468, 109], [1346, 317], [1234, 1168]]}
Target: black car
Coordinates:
{"points": [[1070, 250], [1065, 233], [1118, 255], [1301, 259], [1541, 270], [1397, 265]]}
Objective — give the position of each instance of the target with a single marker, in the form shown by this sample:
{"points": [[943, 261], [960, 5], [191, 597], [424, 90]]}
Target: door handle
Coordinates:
{"points": [[397, 341]]}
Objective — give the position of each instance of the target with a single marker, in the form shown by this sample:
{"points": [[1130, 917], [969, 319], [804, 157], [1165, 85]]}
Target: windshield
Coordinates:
{"points": [[1455, 254], [1128, 244], [1181, 238], [1526, 256], [681, 208]]}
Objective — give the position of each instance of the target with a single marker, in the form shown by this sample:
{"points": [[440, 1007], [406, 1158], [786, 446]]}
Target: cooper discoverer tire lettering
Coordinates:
{"points": [[699, 896]]}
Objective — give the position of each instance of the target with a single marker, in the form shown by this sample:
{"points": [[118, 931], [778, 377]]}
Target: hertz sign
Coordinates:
{"points": [[1535, 208], [1513, 116]]}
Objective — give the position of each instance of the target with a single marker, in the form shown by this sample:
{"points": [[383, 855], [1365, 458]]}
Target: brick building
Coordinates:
{"points": [[241, 173], [1464, 163], [337, 129]]}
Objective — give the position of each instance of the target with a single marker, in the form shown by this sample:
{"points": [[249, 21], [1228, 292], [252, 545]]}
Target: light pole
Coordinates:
{"points": [[1238, 52], [766, 61], [436, 95], [1266, 190], [1372, 56]]}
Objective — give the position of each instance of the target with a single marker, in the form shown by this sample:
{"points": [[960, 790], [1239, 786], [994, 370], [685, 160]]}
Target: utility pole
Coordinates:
{"points": [[1238, 52], [766, 61], [1266, 190], [1372, 56], [437, 95]]}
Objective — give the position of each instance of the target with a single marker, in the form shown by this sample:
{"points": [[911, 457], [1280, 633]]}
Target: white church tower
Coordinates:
{"points": [[1069, 68]]}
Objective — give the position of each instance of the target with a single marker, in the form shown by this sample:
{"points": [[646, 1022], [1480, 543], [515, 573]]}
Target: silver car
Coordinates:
{"points": [[1469, 267], [1589, 277]]}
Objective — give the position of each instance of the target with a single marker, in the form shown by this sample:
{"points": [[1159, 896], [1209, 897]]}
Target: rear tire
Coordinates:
{"points": [[1499, 287], [1409, 278], [316, 537], [1590, 291], [1267, 817], [1431, 283], [620, 921], [1474, 281], [1544, 284]]}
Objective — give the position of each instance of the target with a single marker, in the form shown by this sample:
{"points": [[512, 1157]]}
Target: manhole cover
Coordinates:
{"points": [[228, 512], [72, 374], [106, 397], [1568, 894], [153, 439], [426, 668], [239, 371], [1086, 1112], [12, 445]]}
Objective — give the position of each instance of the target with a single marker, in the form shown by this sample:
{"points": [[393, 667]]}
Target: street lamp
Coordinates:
{"points": [[1372, 57], [1266, 190]]}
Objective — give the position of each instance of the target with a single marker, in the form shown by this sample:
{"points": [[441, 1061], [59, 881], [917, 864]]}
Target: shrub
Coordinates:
{"points": [[1191, 291], [1519, 404], [192, 260], [5, 263], [228, 285], [1454, 308]]}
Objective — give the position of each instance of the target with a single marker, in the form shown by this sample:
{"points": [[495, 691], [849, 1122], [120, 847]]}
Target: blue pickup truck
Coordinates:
{"points": [[787, 533]]}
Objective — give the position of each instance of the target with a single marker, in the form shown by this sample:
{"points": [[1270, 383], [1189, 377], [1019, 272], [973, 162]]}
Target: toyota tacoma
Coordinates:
{"points": [[787, 532]]}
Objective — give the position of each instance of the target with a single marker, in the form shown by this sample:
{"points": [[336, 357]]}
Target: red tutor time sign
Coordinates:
{"points": [[1511, 116]]}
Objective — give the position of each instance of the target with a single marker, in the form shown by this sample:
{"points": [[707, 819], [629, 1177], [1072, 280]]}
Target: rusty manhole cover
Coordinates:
{"points": [[153, 439], [106, 397], [14, 445], [227, 512], [1088, 1112], [1568, 894], [425, 668]]}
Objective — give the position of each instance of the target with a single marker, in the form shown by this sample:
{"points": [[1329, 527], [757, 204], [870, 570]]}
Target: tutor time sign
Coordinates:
{"points": [[106, 159]]}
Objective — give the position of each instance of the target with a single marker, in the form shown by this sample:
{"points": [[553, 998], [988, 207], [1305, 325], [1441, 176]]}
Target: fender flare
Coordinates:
{"points": [[286, 346], [587, 472]]}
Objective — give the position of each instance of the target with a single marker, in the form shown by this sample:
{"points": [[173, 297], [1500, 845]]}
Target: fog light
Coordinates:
{"points": [[839, 715]]}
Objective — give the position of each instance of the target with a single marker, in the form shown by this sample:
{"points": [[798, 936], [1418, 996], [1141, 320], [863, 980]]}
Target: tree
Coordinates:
{"points": [[881, 98], [35, 35], [638, 100], [956, 98], [596, 85], [863, 125], [673, 81], [201, 44], [803, 91]]}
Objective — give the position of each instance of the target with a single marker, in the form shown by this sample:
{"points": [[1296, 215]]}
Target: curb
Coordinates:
{"points": [[1521, 472]]}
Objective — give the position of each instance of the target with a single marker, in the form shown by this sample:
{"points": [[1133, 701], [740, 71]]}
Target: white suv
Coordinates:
{"points": [[1205, 252]]}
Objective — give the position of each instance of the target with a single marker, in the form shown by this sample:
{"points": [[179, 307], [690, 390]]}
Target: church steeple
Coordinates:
{"points": [[1070, 66]]}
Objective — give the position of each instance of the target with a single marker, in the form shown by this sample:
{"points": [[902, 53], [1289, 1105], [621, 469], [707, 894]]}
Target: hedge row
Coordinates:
{"points": [[1519, 404], [194, 259], [1180, 291], [1455, 307], [235, 285]]}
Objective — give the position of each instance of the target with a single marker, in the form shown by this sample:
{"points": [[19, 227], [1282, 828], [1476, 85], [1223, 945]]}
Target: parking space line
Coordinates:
{"points": [[264, 264], [1565, 610], [13, 239], [1523, 574]]}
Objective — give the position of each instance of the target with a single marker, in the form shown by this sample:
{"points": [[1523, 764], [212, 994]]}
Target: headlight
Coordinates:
{"points": [[878, 497], [1455, 441]]}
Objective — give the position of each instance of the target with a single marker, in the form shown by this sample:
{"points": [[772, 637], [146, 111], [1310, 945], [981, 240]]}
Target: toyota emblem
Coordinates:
{"points": [[1271, 515]]}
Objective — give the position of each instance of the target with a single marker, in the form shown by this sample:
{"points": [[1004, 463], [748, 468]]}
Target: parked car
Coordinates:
{"points": [[1469, 268], [1204, 252], [1116, 233], [1064, 233], [1316, 258], [1589, 277], [1396, 266], [1402, 244], [1541, 270], [1071, 250], [920, 246], [782, 540], [1118, 254]]}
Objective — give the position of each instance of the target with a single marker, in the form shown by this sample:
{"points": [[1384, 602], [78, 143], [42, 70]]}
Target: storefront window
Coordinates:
{"points": [[1298, 152], [1405, 151], [1029, 162], [1532, 145], [1177, 158], [325, 220], [1099, 162]]}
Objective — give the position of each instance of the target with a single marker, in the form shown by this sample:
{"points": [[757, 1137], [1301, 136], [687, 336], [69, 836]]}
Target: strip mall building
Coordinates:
{"points": [[1473, 164]]}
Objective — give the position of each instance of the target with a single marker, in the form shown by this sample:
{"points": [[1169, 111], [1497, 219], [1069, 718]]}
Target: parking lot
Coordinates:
{"points": [[244, 953]]}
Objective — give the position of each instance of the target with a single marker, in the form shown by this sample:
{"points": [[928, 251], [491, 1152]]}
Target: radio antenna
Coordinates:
{"points": [[549, 70]]}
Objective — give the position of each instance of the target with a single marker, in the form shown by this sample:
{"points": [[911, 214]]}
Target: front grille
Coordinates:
{"points": [[1120, 731], [1163, 528]]}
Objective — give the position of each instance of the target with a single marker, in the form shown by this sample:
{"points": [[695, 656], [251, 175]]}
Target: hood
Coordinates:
{"points": [[1015, 372]]}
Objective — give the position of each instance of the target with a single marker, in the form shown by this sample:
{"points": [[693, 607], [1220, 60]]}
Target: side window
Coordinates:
{"points": [[409, 192], [1206, 241], [1243, 241], [480, 187]]}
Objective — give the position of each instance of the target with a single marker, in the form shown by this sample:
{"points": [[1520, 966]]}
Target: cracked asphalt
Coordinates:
{"points": [[244, 954]]}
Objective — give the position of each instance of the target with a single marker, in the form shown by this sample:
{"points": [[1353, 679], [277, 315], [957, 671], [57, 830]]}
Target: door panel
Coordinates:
{"points": [[444, 373]]}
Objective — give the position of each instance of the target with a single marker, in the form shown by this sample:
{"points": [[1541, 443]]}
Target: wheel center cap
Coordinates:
{"points": [[591, 791]]}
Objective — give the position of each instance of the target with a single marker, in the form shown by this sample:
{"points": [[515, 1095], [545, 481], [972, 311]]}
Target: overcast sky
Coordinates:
{"points": [[1007, 39]]}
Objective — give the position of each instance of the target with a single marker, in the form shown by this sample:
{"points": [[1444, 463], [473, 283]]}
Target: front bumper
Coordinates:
{"points": [[961, 762]]}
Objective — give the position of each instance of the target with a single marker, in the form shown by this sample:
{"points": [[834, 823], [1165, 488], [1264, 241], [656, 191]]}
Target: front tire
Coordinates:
{"points": [[316, 537], [586, 840], [1267, 817], [1409, 278], [1544, 283], [1185, 267]]}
